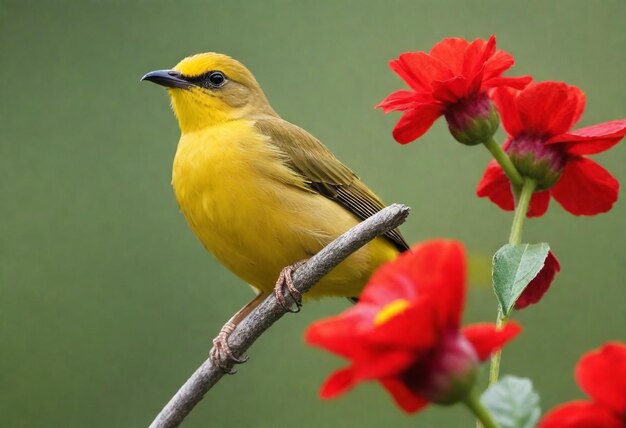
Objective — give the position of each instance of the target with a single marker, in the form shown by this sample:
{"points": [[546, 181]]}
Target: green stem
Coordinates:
{"points": [[515, 238], [494, 367], [505, 162], [482, 414]]}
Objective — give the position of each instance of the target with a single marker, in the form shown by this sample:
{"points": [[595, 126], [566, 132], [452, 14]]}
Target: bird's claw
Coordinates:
{"points": [[221, 354], [285, 279]]}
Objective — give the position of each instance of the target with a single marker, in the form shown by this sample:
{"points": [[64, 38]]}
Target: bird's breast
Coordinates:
{"points": [[247, 207], [256, 215]]}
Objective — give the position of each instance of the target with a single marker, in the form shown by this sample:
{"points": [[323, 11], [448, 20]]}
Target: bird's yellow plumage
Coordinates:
{"points": [[259, 192], [230, 186]]}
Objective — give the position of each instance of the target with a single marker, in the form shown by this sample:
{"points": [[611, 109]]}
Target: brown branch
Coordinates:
{"points": [[268, 312]]}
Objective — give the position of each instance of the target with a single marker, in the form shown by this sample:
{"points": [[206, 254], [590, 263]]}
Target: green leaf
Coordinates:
{"points": [[514, 266], [513, 402]]}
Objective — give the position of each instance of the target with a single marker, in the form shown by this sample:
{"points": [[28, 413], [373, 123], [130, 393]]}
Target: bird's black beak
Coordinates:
{"points": [[168, 78]]}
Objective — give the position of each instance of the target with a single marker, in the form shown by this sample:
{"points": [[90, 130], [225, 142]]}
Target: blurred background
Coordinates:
{"points": [[108, 302]]}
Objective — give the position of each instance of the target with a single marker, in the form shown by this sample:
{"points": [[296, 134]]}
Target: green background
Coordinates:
{"points": [[108, 302]]}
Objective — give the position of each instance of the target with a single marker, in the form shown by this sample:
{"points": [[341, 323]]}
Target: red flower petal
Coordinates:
{"points": [[580, 414], [509, 82], [496, 186], [504, 99], [343, 334], [390, 282], [399, 100], [414, 123], [585, 188], [549, 108], [497, 64], [418, 70], [404, 397], [602, 374], [451, 51], [434, 269], [592, 139], [475, 82], [538, 204], [400, 330], [337, 383], [439, 270], [540, 284], [486, 338], [475, 59], [382, 365], [450, 91]]}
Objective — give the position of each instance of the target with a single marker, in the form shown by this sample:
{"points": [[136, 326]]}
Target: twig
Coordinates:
{"points": [[268, 312]]}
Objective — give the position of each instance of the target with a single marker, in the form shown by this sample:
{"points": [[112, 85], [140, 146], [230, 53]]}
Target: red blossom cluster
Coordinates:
{"points": [[452, 80], [405, 332], [460, 79], [541, 144]]}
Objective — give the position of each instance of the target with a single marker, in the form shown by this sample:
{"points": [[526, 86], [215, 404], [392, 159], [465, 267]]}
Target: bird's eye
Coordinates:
{"points": [[216, 79]]}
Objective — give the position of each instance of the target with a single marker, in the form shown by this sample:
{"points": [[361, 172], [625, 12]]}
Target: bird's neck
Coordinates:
{"points": [[193, 119]]}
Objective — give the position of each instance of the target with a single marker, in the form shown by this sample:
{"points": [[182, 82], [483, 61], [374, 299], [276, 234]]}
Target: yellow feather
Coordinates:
{"points": [[241, 197]]}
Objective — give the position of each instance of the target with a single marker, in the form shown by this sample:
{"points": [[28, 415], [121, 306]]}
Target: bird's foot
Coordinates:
{"points": [[221, 354], [285, 279]]}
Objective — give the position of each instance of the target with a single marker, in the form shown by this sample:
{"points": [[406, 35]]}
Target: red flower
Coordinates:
{"points": [[535, 290], [453, 79], [405, 331], [538, 121], [602, 375]]}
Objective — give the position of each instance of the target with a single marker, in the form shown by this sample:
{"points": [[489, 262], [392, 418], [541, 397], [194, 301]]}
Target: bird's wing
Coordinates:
{"points": [[324, 173]]}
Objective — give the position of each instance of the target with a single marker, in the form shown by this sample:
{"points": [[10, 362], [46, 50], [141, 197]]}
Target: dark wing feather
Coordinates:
{"points": [[324, 173]]}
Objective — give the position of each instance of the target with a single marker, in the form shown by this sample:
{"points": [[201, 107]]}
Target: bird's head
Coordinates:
{"points": [[211, 88]]}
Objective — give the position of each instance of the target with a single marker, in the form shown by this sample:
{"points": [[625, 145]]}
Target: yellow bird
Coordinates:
{"points": [[260, 193]]}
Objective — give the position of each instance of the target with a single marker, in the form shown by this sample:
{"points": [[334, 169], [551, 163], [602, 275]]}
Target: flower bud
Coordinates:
{"points": [[536, 160], [473, 121], [448, 375]]}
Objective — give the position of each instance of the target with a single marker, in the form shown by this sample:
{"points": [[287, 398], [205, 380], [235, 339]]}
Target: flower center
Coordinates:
{"points": [[472, 120], [390, 310], [534, 159], [448, 373]]}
